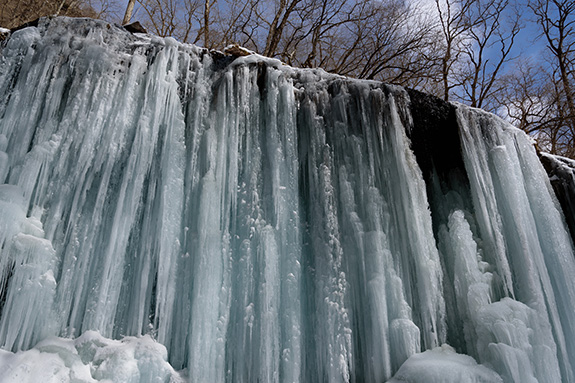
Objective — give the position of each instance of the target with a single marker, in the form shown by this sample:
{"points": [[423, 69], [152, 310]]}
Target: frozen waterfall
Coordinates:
{"points": [[173, 214]]}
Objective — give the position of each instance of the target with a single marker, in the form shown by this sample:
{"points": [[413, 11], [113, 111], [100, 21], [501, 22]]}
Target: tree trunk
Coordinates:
{"points": [[129, 10], [207, 7]]}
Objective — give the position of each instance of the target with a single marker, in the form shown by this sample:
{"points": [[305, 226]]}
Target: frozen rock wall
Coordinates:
{"points": [[263, 223], [561, 172]]}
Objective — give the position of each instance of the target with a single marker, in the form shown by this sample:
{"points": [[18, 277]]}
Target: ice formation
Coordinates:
{"points": [[171, 214], [562, 173]]}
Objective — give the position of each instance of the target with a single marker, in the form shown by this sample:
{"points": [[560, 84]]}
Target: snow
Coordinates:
{"points": [[89, 358], [443, 364], [169, 215], [564, 163]]}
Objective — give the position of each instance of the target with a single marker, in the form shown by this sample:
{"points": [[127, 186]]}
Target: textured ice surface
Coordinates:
{"points": [[261, 223], [89, 358], [443, 364]]}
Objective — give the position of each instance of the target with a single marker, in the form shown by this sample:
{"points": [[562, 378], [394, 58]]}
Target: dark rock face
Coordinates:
{"points": [[436, 143], [33, 23], [435, 136], [562, 176], [135, 27]]}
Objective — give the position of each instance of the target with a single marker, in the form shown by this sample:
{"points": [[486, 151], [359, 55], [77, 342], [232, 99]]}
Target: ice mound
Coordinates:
{"points": [[443, 364], [89, 358]]}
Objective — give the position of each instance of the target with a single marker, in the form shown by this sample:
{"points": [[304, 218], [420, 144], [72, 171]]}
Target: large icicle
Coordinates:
{"points": [[527, 339]]}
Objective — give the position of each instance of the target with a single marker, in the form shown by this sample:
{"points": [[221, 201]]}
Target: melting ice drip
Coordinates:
{"points": [[263, 224]]}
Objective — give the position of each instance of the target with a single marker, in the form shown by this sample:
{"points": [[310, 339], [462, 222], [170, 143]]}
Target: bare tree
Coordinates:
{"points": [[278, 24], [129, 10], [367, 39], [14, 13], [477, 41], [531, 99], [374, 41], [455, 22], [557, 19], [491, 41], [176, 18], [205, 28]]}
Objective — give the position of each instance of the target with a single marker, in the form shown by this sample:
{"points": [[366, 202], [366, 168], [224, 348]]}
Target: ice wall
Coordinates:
{"points": [[264, 223]]}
